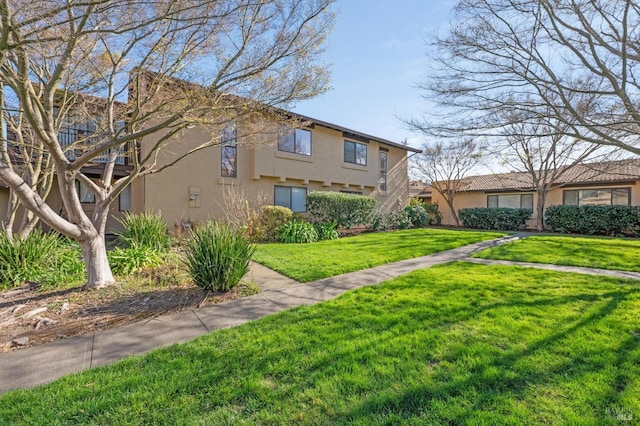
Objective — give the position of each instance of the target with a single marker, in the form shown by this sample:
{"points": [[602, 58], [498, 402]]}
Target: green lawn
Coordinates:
{"points": [[605, 253], [453, 344], [310, 262]]}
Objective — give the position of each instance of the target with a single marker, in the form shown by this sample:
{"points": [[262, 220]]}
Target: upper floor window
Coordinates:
{"points": [[383, 171], [355, 153], [513, 201], [229, 151], [297, 141], [597, 197]]}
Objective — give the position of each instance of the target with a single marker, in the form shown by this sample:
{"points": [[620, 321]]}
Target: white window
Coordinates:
{"points": [[513, 201], [597, 197], [124, 200], [85, 194]]}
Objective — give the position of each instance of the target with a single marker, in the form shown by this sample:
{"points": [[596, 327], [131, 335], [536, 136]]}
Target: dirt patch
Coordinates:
{"points": [[29, 316]]}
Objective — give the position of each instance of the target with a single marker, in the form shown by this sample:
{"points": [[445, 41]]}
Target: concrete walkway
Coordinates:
{"points": [[42, 364]]}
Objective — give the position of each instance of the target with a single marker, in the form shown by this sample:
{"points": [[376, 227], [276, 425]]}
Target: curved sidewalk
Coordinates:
{"points": [[42, 364]]}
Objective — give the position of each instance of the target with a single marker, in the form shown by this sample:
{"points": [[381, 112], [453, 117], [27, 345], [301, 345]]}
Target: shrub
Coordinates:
{"points": [[146, 230], [381, 221], [264, 226], [217, 256], [345, 210], [418, 215], [610, 220], [326, 231], [297, 232], [435, 217], [45, 258], [503, 219], [124, 261]]}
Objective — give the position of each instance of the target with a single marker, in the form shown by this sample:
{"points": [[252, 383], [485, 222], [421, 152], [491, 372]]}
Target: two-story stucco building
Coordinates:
{"points": [[279, 169]]}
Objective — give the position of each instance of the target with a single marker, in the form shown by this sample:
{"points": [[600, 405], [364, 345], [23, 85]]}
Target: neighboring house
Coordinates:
{"points": [[419, 190], [278, 167], [605, 183], [281, 170]]}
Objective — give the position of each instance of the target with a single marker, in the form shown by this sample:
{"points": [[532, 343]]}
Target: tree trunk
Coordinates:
{"points": [[540, 211], [95, 258], [454, 215]]}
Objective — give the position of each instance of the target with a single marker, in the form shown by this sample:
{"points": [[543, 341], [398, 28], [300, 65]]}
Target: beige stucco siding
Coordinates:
{"points": [[193, 189], [554, 197]]}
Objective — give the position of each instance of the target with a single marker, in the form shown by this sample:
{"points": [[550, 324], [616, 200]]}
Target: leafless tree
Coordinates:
{"points": [[538, 146], [577, 58], [128, 70], [445, 166]]}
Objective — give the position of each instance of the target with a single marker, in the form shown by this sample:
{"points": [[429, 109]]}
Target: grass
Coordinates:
{"points": [[314, 261], [453, 344], [604, 253]]}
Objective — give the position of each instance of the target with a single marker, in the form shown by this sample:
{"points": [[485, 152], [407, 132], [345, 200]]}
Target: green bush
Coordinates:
{"points": [[45, 258], [326, 231], [217, 256], [502, 219], [609, 220], [435, 217], [345, 210], [147, 230], [297, 232], [418, 216], [382, 221], [124, 261], [264, 227]]}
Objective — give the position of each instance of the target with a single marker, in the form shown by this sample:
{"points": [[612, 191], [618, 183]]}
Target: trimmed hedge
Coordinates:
{"points": [[345, 210], [609, 220], [502, 219]]}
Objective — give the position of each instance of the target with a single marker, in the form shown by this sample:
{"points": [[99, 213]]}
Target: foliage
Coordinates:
{"points": [[329, 258], [502, 219], [125, 261], [45, 258], [264, 226], [423, 214], [326, 231], [383, 221], [593, 252], [217, 256], [610, 220], [455, 344], [144, 230], [297, 231], [345, 210]]}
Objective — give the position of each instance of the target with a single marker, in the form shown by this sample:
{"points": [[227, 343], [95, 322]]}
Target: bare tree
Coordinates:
{"points": [[539, 147], [579, 58], [126, 71], [445, 167]]}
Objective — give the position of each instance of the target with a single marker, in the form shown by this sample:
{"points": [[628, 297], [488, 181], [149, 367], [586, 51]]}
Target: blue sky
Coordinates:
{"points": [[377, 53]]}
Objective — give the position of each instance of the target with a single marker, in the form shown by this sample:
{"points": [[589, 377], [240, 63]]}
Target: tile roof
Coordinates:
{"points": [[591, 173]]}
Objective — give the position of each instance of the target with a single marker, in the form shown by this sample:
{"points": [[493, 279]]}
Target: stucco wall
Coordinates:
{"points": [[554, 197], [193, 189]]}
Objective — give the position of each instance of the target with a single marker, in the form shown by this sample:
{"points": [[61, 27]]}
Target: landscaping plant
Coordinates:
{"points": [[502, 219], [326, 231], [125, 261], [264, 226], [297, 232], [609, 220], [346, 210], [144, 230], [217, 256], [45, 258]]}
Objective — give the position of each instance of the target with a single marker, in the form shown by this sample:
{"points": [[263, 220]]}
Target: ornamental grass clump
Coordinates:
{"points": [[45, 258], [217, 256], [147, 230], [297, 232]]}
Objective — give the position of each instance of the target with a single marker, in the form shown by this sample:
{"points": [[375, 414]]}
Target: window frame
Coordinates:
{"points": [[127, 189], [382, 183], [290, 189], [288, 132], [498, 200], [79, 187], [565, 192], [229, 146], [355, 152]]}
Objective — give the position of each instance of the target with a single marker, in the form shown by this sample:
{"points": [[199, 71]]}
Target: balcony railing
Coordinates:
{"points": [[79, 134]]}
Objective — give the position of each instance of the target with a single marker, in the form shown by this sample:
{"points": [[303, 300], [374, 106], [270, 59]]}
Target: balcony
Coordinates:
{"points": [[75, 136]]}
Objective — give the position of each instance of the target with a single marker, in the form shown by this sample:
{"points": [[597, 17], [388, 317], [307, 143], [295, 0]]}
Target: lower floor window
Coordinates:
{"points": [[124, 200], [597, 197], [514, 201], [291, 197]]}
